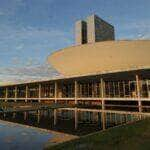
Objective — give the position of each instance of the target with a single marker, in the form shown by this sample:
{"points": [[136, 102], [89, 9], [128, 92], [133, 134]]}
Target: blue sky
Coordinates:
{"points": [[32, 29]]}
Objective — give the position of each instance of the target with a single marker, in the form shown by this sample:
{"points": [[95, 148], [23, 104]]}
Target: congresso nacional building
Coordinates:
{"points": [[98, 70]]}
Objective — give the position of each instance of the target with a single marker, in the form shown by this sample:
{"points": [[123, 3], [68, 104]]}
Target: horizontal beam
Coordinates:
{"points": [[84, 98], [114, 99]]}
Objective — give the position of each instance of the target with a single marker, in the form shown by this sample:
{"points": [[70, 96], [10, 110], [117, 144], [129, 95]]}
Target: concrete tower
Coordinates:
{"points": [[93, 29], [81, 32], [99, 30]]}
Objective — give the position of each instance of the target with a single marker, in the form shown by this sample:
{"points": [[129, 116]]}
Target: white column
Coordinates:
{"points": [[15, 93], [55, 117], [138, 93], [103, 115], [102, 93], [124, 89], [76, 92], [56, 86], [26, 99], [25, 115], [148, 90], [38, 116], [6, 96], [39, 100], [76, 118], [103, 120]]}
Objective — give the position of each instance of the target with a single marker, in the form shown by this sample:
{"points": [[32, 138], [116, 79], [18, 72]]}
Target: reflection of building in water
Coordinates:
{"points": [[111, 74], [97, 118]]}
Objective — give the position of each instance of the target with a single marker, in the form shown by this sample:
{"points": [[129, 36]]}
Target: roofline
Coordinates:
{"points": [[83, 75]]}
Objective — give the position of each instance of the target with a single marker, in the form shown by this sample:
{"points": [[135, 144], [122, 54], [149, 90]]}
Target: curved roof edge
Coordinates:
{"points": [[105, 56], [72, 46]]}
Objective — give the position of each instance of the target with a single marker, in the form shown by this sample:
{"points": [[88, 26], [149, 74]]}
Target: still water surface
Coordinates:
{"points": [[16, 137], [73, 121]]}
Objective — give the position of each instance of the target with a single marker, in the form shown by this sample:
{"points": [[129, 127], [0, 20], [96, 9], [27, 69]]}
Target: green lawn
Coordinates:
{"points": [[134, 136]]}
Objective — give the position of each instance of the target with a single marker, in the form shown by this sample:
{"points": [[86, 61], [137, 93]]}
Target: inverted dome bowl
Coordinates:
{"points": [[101, 57]]}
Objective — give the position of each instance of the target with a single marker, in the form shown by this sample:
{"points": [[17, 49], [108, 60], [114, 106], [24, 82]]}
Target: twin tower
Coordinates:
{"points": [[93, 29]]}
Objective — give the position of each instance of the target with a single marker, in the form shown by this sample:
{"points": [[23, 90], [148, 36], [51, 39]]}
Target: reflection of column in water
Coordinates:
{"points": [[106, 120], [65, 114], [14, 115], [110, 119], [86, 116], [103, 120], [55, 117], [25, 115], [129, 118], [126, 118], [76, 118], [132, 118], [69, 114], [123, 118], [95, 116], [49, 113], [99, 120], [41, 112], [38, 116], [136, 117], [140, 117], [115, 119], [120, 119], [4, 115], [44, 113], [90, 117], [83, 116]]}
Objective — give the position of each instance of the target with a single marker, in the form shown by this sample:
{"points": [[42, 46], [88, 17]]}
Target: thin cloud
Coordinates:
{"points": [[135, 30], [30, 45], [2, 13], [26, 74]]}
